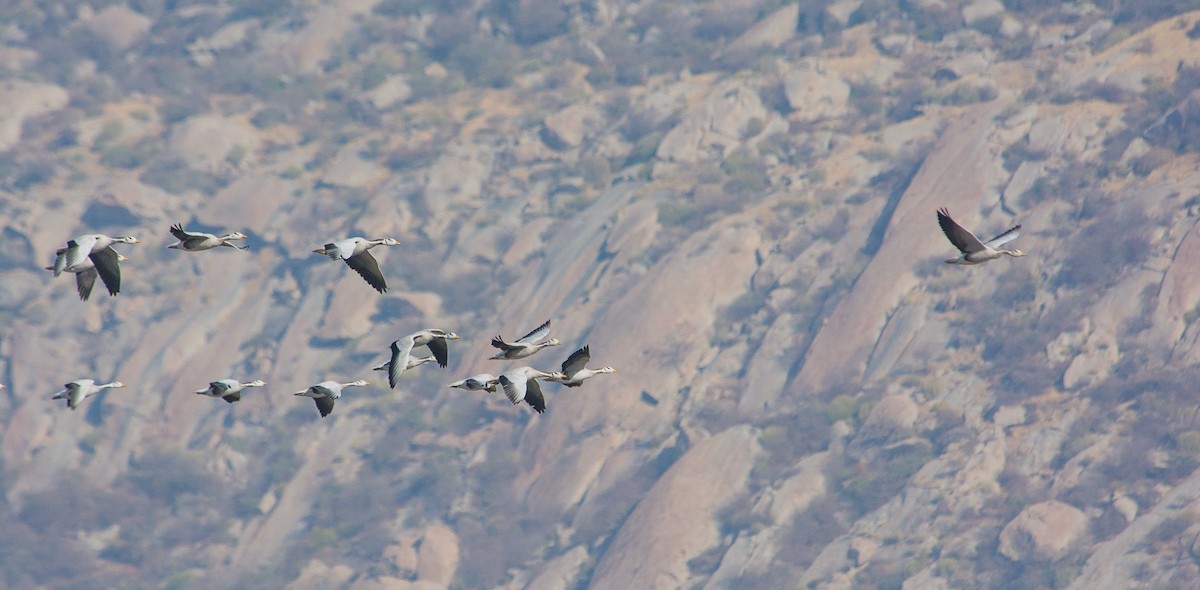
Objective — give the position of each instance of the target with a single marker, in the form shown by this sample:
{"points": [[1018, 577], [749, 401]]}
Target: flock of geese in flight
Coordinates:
{"points": [[92, 255]]}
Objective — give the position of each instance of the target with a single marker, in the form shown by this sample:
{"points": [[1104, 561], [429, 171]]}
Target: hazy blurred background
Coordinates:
{"points": [[731, 201]]}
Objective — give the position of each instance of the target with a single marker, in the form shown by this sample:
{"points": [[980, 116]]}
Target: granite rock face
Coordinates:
{"points": [[805, 394]]}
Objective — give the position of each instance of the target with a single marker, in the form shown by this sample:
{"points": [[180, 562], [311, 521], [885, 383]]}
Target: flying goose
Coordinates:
{"points": [[526, 345], [85, 272], [355, 252], [433, 338], [229, 390], [195, 241], [86, 245], [521, 384], [574, 369], [412, 362], [78, 390], [97, 247], [973, 251], [480, 382], [3, 386], [326, 392]]}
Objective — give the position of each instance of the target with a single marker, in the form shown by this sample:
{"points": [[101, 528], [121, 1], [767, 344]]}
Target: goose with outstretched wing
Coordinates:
{"points": [[973, 251], [575, 371], [355, 252], [80, 389], [85, 272], [520, 384], [432, 338], [327, 392], [525, 346], [191, 241], [229, 390]]}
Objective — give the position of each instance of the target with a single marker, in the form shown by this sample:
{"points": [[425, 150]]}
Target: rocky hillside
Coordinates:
{"points": [[731, 201]]}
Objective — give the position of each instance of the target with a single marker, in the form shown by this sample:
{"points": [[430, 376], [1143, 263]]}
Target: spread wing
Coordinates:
{"points": [[1004, 238], [577, 361], [324, 405], [75, 394], [218, 388], [106, 264], [233, 397], [440, 351], [78, 249], [84, 281], [534, 396], [499, 342], [60, 259], [537, 334], [400, 351], [326, 392], [365, 265], [965, 241], [179, 233], [513, 390]]}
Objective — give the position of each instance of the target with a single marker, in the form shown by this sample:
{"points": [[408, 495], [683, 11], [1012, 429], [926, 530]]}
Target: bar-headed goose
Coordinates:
{"points": [[88, 245], [229, 390], [326, 392], [355, 252], [432, 338], [972, 250], [85, 272], [525, 346], [574, 369], [480, 382], [80, 389], [191, 241], [412, 362], [97, 247], [521, 384]]}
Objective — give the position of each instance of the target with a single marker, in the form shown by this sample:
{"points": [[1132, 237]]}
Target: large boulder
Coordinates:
{"points": [[569, 127], [207, 141], [438, 555], [815, 94], [1043, 532], [893, 413], [23, 100], [715, 127]]}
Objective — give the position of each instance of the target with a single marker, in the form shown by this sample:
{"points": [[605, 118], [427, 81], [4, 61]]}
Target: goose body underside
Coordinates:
{"points": [[976, 257]]}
